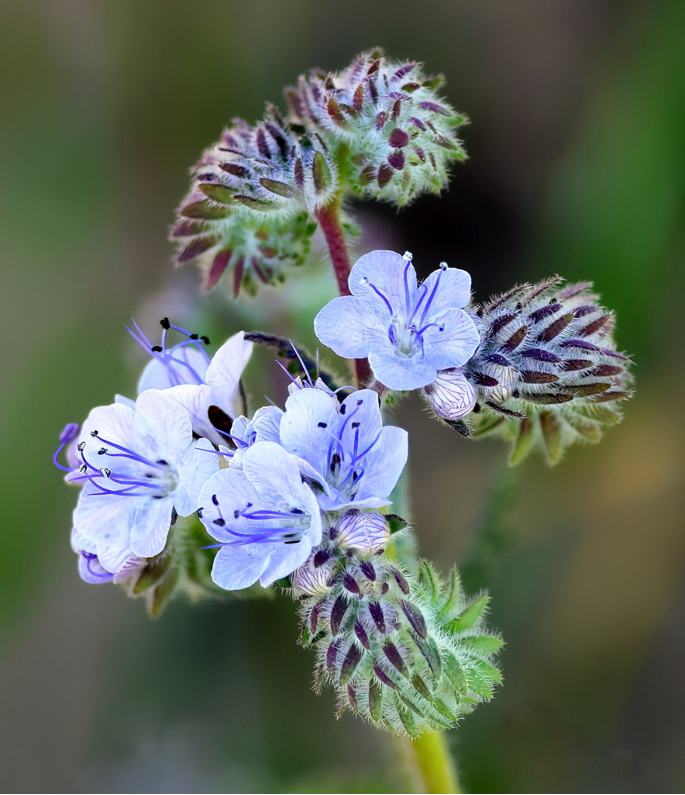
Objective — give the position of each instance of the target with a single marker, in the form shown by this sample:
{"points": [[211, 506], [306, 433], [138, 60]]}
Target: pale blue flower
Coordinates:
{"points": [[407, 330], [139, 467], [265, 517], [92, 571], [195, 380], [346, 453]]}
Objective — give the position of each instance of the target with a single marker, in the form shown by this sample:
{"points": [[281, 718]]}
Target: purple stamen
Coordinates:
{"points": [[69, 433], [380, 294], [407, 301], [432, 295], [130, 453]]}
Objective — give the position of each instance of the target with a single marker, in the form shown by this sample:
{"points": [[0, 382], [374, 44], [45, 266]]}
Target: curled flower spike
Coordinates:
{"points": [[139, 468], [399, 134], [407, 330], [547, 373], [264, 517]]}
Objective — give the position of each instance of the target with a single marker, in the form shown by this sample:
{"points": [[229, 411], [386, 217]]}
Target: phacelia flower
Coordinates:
{"points": [[140, 468], [345, 452], [399, 135], [92, 571], [407, 330], [547, 372], [265, 518], [186, 366]]}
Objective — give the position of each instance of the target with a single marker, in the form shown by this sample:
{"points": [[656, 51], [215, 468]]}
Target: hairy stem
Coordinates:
{"points": [[434, 763], [330, 222]]}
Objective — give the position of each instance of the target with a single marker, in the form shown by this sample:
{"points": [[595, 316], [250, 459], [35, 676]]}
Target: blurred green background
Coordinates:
{"points": [[577, 166]]}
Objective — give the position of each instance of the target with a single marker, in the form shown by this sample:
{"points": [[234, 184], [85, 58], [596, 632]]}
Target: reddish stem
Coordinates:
{"points": [[329, 221]]}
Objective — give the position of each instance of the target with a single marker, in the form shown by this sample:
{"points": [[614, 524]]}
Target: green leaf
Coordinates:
{"points": [[468, 617]]}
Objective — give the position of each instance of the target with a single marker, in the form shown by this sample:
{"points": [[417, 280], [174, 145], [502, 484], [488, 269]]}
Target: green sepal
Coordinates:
{"points": [[467, 618]]}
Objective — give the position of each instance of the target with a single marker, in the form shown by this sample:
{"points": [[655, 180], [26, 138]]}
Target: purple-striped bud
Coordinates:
{"points": [[366, 533]]}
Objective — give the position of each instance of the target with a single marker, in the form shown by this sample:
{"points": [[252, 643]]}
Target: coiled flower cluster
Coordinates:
{"points": [[401, 135], [377, 129], [406, 654], [547, 372]]}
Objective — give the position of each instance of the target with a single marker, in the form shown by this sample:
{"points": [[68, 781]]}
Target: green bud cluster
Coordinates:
{"points": [[407, 654]]}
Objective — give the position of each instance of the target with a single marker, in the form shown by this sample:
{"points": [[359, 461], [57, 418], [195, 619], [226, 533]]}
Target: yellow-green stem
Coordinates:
{"points": [[428, 764]]}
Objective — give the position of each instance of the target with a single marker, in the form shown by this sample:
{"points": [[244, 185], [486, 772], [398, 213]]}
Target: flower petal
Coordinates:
{"points": [[401, 372], [456, 344], [453, 292], [195, 468], [150, 526], [310, 417], [237, 567], [162, 426], [225, 371], [387, 271], [383, 464], [350, 328], [184, 366], [284, 560]]}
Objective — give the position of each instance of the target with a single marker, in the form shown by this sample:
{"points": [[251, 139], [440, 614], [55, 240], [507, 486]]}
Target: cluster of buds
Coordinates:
{"points": [[400, 135], [377, 129], [406, 654], [547, 372]]}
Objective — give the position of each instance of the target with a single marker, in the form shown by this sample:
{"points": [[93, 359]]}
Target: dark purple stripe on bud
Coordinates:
{"points": [[332, 655], [188, 228], [352, 696], [358, 98], [615, 354], [350, 662], [417, 123], [383, 677], [217, 269], [376, 612], [237, 275], [540, 355], [415, 618], [400, 580], [496, 358], [607, 396], [368, 570], [337, 614], [321, 557], [396, 160], [604, 370], [396, 110], [236, 170], [554, 329], [392, 653], [595, 326], [576, 364], [257, 269], [516, 339], [299, 173], [373, 90], [483, 380], [398, 138], [351, 584], [581, 311], [501, 410], [381, 120], [314, 616], [385, 173], [533, 377], [585, 390], [420, 154], [434, 108], [361, 634], [335, 113], [543, 312], [499, 323], [262, 144], [548, 399], [586, 346], [197, 247]]}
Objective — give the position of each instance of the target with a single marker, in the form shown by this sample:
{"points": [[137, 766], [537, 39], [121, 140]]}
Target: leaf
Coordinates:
{"points": [[470, 616]]}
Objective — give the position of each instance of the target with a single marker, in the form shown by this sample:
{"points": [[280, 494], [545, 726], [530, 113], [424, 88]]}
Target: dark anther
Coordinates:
{"points": [[236, 513], [205, 339], [102, 451], [214, 499], [174, 516], [323, 425], [93, 433], [335, 461], [321, 557], [476, 408], [343, 408], [199, 513], [355, 424], [359, 402], [164, 323], [296, 541], [219, 521], [80, 446], [156, 348], [162, 462], [194, 337], [297, 510]]}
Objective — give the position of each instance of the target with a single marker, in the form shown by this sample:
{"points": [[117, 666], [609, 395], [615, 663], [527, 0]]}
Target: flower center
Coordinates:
{"points": [[286, 526], [409, 324], [133, 476]]}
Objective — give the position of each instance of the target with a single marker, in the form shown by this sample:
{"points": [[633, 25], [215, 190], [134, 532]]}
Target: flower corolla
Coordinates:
{"points": [[140, 468], [407, 330], [265, 517]]}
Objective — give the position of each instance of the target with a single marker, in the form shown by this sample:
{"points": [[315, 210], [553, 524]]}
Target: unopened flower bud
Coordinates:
{"points": [[365, 533], [451, 396]]}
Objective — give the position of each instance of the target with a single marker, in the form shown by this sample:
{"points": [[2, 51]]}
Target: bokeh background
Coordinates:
{"points": [[577, 166]]}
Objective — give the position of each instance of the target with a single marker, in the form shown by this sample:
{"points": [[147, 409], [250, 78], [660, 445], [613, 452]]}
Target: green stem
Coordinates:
{"points": [[434, 763]]}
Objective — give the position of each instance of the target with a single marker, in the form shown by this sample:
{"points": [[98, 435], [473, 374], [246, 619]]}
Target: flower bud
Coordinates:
{"points": [[451, 396], [547, 372], [366, 533]]}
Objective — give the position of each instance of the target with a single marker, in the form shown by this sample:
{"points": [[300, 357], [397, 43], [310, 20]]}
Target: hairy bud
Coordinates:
{"points": [[399, 133], [547, 373], [408, 655]]}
